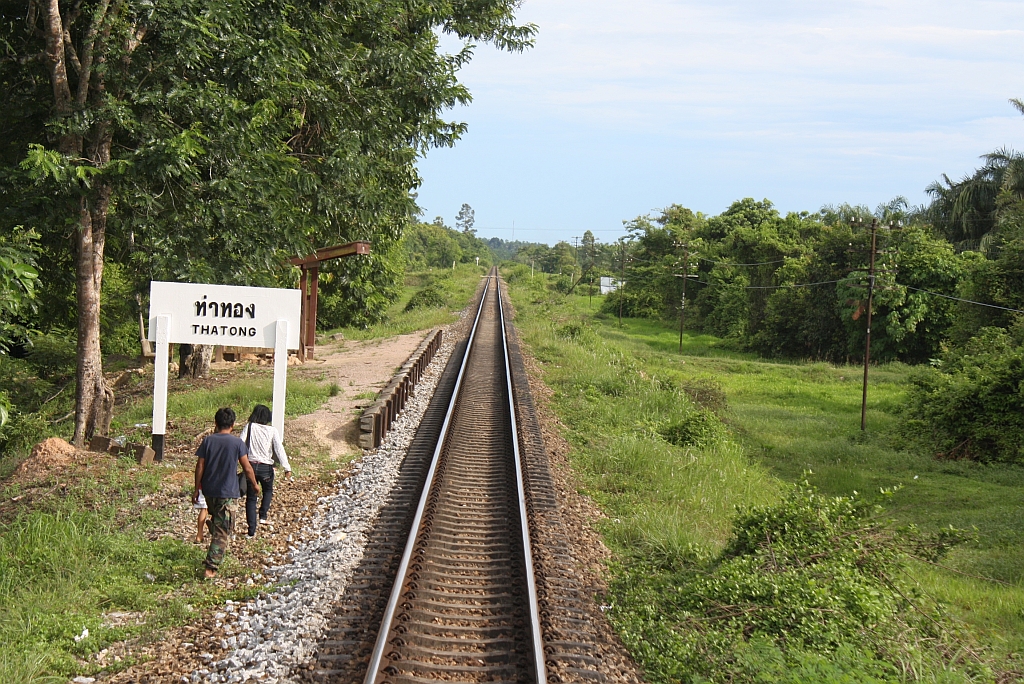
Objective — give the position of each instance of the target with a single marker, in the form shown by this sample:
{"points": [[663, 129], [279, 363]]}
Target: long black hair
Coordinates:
{"points": [[260, 414]]}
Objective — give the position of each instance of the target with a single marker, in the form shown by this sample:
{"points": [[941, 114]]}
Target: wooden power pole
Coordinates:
{"points": [[867, 339]]}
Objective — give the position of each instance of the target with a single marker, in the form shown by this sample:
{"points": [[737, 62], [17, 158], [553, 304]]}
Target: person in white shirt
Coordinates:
{"points": [[264, 447]]}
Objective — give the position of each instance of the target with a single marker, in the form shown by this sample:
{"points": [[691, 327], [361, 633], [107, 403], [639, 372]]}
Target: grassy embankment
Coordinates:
{"points": [[79, 552], [620, 391]]}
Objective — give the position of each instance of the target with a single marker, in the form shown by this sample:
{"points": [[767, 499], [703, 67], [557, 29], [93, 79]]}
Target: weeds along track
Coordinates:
{"points": [[449, 588]]}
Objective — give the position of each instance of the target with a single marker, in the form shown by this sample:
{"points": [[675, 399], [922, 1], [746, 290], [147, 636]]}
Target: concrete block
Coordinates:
{"points": [[144, 454], [100, 444]]}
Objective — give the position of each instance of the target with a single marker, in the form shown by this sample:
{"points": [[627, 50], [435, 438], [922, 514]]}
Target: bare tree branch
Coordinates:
{"points": [[88, 50], [69, 48]]}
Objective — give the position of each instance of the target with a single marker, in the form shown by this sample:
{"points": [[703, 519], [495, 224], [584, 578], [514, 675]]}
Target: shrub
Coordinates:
{"points": [[517, 273], [699, 428], [706, 393], [809, 588], [636, 303], [433, 296], [971, 405], [52, 356], [562, 284], [577, 332]]}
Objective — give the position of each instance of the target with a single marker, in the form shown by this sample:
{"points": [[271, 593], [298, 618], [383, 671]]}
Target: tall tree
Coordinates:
{"points": [[465, 219], [588, 252], [214, 138]]}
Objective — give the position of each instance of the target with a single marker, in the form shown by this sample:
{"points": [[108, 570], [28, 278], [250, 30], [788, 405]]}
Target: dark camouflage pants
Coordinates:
{"points": [[221, 523]]}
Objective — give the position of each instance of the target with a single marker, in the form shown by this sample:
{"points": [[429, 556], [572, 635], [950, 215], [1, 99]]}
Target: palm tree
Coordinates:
{"points": [[968, 211]]}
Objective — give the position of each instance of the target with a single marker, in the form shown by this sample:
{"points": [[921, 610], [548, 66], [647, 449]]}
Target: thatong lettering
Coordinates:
{"points": [[224, 330]]}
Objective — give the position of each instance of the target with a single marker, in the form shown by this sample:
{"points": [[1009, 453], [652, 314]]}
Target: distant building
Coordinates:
{"points": [[609, 285]]}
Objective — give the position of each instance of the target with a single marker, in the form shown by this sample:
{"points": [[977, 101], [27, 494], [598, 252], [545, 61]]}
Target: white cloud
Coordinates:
{"points": [[893, 93]]}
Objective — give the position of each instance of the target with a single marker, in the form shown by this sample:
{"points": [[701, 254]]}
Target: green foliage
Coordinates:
{"points": [[194, 409], [18, 281], [794, 286], [52, 356], [242, 135], [577, 332], [38, 391], [434, 245], [358, 291], [800, 582], [971, 404], [399, 321], [516, 274], [562, 284]]}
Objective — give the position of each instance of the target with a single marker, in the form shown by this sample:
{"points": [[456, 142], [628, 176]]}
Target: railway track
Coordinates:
{"points": [[464, 603], [451, 587]]}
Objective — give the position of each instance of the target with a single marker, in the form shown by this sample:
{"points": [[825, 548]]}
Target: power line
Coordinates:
{"points": [[966, 301], [727, 263], [776, 287]]}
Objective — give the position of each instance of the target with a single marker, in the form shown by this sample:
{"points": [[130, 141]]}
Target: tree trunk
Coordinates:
{"points": [[94, 400], [194, 360]]}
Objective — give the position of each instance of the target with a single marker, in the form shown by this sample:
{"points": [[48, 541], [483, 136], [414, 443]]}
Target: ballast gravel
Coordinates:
{"points": [[276, 634]]}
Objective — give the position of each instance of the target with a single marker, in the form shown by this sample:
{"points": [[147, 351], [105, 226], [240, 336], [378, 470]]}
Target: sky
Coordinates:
{"points": [[624, 107]]}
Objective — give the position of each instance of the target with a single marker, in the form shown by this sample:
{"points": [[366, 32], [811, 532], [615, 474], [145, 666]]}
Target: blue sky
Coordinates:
{"points": [[626, 107]]}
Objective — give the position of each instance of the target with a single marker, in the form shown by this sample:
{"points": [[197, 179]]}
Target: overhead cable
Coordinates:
{"points": [[759, 263], [776, 287], [966, 301]]}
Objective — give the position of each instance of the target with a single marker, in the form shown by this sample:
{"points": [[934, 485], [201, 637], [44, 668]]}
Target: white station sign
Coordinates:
{"points": [[229, 315]]}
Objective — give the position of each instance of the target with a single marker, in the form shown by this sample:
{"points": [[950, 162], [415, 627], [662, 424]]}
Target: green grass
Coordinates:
{"points": [[70, 560], [301, 397], [661, 498], [66, 561], [614, 386], [461, 286]]}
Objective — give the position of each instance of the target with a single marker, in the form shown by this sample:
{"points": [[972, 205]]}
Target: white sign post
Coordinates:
{"points": [[189, 313]]}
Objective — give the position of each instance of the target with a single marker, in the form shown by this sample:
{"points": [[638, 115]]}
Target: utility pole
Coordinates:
{"points": [[591, 305], [682, 303], [867, 339], [575, 258], [621, 289]]}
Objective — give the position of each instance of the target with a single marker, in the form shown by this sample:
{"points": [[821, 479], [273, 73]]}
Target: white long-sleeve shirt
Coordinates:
{"points": [[263, 444]]}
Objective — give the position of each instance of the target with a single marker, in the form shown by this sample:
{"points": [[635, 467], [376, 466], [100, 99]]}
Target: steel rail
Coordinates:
{"points": [[410, 545], [531, 582]]}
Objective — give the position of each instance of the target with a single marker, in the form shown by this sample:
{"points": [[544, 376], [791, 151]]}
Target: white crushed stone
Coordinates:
{"points": [[277, 632]]}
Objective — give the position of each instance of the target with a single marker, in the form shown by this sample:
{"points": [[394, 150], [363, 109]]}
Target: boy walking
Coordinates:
{"points": [[216, 461]]}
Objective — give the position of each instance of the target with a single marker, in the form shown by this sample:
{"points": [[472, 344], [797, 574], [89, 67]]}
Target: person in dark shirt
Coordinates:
{"points": [[217, 460]]}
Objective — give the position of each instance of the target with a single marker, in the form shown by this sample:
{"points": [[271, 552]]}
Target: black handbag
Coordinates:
{"points": [[243, 481]]}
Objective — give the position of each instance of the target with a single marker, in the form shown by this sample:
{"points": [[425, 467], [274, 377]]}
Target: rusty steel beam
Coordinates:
{"points": [[347, 249]]}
